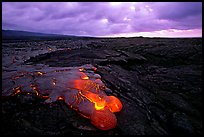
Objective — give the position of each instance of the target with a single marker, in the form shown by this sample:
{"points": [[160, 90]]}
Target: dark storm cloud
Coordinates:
{"points": [[100, 18], [176, 11]]}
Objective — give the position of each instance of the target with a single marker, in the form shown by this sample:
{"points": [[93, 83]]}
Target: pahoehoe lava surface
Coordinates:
{"points": [[157, 80]]}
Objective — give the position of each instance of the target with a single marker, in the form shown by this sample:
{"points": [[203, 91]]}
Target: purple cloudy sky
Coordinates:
{"points": [[165, 19]]}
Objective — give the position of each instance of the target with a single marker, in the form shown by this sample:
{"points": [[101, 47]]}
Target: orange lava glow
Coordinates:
{"points": [[17, 90], [85, 89], [84, 115], [100, 103], [39, 73], [103, 119], [81, 69], [85, 78], [60, 98], [85, 85], [35, 88], [114, 104]]}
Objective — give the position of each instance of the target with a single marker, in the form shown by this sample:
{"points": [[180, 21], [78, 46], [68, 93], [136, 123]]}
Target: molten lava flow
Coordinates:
{"points": [[39, 73], [86, 86], [81, 69], [60, 98], [114, 104], [84, 76], [99, 103], [103, 119], [81, 90], [17, 90], [35, 88]]}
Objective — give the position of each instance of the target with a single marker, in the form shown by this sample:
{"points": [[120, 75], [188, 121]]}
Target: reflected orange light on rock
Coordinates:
{"points": [[94, 68], [54, 81], [84, 115]]}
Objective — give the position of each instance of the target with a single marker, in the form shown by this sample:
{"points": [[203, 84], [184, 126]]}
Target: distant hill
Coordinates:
{"points": [[25, 35], [9, 33]]}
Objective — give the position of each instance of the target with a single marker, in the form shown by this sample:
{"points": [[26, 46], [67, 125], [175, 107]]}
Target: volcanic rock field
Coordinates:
{"points": [[158, 81]]}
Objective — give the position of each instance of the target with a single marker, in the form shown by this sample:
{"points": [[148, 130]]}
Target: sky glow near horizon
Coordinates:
{"points": [[107, 19]]}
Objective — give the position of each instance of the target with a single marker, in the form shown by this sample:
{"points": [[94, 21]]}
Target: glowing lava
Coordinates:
{"points": [[81, 90]]}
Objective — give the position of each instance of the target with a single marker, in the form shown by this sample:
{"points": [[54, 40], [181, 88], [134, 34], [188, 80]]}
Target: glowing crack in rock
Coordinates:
{"points": [[80, 87]]}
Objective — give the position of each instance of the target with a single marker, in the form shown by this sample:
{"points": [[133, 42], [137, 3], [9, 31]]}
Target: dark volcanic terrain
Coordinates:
{"points": [[158, 81]]}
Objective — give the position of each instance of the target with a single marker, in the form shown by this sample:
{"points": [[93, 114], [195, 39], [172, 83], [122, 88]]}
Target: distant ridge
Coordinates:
{"points": [[25, 35], [8, 33]]}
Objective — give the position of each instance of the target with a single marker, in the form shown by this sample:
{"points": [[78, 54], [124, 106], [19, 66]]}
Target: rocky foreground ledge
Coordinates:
{"points": [[157, 80]]}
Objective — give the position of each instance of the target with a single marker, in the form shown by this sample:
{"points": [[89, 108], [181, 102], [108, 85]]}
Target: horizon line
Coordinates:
{"points": [[101, 36]]}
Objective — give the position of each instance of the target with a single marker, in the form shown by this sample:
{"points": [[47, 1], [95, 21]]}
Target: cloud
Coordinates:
{"points": [[101, 18], [178, 10]]}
